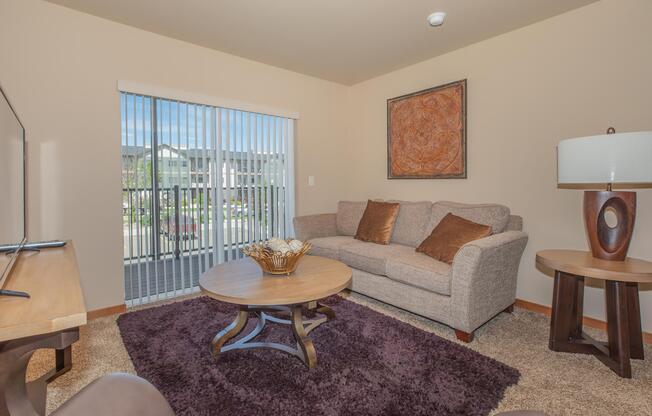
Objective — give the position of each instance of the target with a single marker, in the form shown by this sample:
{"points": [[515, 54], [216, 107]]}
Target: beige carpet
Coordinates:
{"points": [[559, 384]]}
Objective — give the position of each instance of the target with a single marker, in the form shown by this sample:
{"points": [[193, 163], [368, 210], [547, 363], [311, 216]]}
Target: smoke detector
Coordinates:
{"points": [[436, 19]]}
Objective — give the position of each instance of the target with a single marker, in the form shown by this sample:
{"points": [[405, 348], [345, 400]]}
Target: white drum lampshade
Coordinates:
{"points": [[623, 160], [619, 158]]}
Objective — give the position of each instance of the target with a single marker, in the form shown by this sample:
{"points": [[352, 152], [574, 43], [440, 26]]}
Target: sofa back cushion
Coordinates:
{"points": [[377, 223], [494, 215], [450, 235], [349, 214], [412, 214], [411, 225]]}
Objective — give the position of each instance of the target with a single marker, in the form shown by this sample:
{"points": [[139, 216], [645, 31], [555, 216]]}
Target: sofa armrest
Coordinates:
{"points": [[314, 226], [484, 278], [515, 223]]}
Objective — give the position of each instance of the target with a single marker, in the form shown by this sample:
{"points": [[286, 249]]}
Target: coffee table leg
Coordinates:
{"points": [[230, 331], [300, 328], [325, 310], [304, 343]]}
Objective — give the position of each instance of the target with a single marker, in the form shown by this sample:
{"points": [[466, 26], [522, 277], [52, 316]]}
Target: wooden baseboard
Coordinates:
{"points": [[590, 322], [111, 310]]}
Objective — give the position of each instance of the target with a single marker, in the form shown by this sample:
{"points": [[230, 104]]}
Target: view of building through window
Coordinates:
{"points": [[198, 183]]}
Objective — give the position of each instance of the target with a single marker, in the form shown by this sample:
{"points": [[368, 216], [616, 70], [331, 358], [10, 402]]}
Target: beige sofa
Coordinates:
{"points": [[479, 284]]}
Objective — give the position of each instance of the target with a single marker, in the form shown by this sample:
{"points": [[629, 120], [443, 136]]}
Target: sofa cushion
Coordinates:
{"points": [[329, 246], [370, 257], [450, 235], [421, 271], [494, 215], [412, 222], [377, 222], [349, 214]]}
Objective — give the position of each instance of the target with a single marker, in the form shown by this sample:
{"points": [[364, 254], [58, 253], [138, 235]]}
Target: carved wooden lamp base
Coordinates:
{"points": [[609, 242]]}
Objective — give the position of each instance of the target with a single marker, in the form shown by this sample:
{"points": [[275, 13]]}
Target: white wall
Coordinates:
{"points": [[60, 67], [573, 75]]}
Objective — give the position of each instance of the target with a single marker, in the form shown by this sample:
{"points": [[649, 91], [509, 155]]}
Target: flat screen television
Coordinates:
{"points": [[12, 185]]}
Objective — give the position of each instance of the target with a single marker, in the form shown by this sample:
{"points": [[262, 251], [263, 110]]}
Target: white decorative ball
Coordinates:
{"points": [[296, 245], [278, 245]]}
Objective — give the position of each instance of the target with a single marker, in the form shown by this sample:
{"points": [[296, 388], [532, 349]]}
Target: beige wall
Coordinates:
{"points": [[60, 67], [572, 75], [568, 76]]}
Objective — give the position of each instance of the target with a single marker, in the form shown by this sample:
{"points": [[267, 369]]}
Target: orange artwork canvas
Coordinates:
{"points": [[426, 133]]}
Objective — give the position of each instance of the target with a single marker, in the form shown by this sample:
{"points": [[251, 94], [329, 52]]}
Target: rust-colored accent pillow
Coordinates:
{"points": [[377, 222], [450, 235]]}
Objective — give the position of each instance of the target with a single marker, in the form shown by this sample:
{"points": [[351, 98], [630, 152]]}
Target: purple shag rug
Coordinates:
{"points": [[367, 364]]}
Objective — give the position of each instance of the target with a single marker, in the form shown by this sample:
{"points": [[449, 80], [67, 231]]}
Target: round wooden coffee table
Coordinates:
{"points": [[243, 283]]}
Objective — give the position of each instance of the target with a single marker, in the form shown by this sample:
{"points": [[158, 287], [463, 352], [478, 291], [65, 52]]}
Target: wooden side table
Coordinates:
{"points": [[625, 337]]}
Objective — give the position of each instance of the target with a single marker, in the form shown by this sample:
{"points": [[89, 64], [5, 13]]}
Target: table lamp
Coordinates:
{"points": [[619, 160]]}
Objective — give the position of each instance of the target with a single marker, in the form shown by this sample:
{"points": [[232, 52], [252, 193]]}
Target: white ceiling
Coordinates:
{"points": [[346, 41]]}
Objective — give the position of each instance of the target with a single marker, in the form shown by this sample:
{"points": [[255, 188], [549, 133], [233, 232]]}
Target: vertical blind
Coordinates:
{"points": [[199, 183]]}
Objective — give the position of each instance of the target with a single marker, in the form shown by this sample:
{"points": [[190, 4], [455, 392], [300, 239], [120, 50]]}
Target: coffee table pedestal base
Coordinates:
{"points": [[305, 350]]}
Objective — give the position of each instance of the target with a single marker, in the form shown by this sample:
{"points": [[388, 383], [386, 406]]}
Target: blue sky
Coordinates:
{"points": [[184, 124]]}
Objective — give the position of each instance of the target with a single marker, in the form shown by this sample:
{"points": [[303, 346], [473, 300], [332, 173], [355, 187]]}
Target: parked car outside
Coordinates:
{"points": [[187, 227]]}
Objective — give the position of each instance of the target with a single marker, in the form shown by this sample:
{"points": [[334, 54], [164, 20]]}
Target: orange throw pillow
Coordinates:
{"points": [[377, 222], [450, 235]]}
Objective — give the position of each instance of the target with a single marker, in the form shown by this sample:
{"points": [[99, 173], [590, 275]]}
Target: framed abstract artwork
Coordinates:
{"points": [[426, 133]]}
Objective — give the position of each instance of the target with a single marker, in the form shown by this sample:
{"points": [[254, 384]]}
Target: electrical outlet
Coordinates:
{"points": [[311, 181]]}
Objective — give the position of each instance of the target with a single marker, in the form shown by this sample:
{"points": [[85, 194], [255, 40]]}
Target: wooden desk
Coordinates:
{"points": [[49, 319], [625, 337]]}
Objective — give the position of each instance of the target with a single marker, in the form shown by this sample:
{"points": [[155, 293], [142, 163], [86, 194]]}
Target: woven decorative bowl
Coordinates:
{"points": [[275, 262]]}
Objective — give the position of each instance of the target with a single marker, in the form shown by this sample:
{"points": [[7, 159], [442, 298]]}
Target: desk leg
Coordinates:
{"points": [[16, 396], [63, 363]]}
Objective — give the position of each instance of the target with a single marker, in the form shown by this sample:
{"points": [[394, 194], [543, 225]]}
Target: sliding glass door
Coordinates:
{"points": [[198, 183]]}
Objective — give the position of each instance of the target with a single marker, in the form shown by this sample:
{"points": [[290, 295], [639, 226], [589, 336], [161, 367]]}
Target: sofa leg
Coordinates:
{"points": [[509, 309], [464, 336]]}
